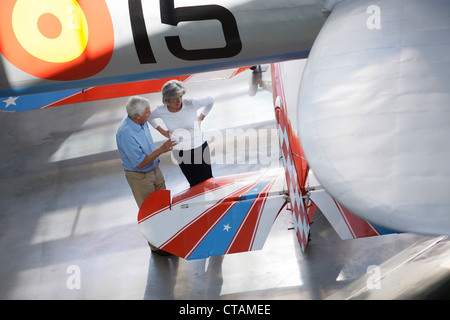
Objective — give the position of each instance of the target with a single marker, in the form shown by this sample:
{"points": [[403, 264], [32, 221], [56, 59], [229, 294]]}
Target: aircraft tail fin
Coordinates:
{"points": [[221, 215], [294, 162]]}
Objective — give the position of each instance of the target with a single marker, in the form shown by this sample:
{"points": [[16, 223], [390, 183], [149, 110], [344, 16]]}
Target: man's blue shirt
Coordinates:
{"points": [[135, 143]]}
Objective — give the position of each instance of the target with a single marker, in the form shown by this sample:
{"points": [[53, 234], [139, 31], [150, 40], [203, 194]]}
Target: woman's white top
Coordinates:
{"points": [[183, 125]]}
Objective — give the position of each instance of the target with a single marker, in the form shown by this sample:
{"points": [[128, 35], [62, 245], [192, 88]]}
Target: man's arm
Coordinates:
{"points": [[165, 147]]}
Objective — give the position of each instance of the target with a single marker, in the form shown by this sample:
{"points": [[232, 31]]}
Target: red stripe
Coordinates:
{"points": [[116, 90], [155, 203], [358, 227], [121, 90], [349, 227], [203, 188], [245, 236], [210, 185]]}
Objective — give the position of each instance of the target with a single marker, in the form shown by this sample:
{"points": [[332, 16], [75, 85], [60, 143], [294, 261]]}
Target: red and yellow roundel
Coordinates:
{"points": [[57, 39]]}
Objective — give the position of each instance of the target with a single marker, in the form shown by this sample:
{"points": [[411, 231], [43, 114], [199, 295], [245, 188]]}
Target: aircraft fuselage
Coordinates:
{"points": [[55, 45]]}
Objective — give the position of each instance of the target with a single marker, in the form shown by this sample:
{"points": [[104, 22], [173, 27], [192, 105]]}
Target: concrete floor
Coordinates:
{"points": [[68, 219]]}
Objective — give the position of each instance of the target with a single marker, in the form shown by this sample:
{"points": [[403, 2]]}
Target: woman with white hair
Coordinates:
{"points": [[182, 119]]}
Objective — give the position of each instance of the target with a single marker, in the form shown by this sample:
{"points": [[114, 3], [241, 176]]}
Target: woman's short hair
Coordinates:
{"points": [[136, 106], [172, 89]]}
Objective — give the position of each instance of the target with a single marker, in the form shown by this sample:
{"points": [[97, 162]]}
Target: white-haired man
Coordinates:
{"points": [[140, 157]]}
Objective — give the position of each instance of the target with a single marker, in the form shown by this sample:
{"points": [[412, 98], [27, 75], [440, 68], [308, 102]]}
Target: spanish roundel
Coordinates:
{"points": [[57, 39]]}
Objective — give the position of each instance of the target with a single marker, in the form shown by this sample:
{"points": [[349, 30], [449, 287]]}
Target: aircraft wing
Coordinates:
{"points": [[58, 98], [221, 215], [374, 112]]}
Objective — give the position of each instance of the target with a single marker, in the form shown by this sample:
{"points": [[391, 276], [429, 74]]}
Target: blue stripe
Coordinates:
{"points": [[383, 230], [218, 240], [36, 101]]}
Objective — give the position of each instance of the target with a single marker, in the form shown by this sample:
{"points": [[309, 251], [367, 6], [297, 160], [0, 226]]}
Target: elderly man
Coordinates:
{"points": [[140, 157]]}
